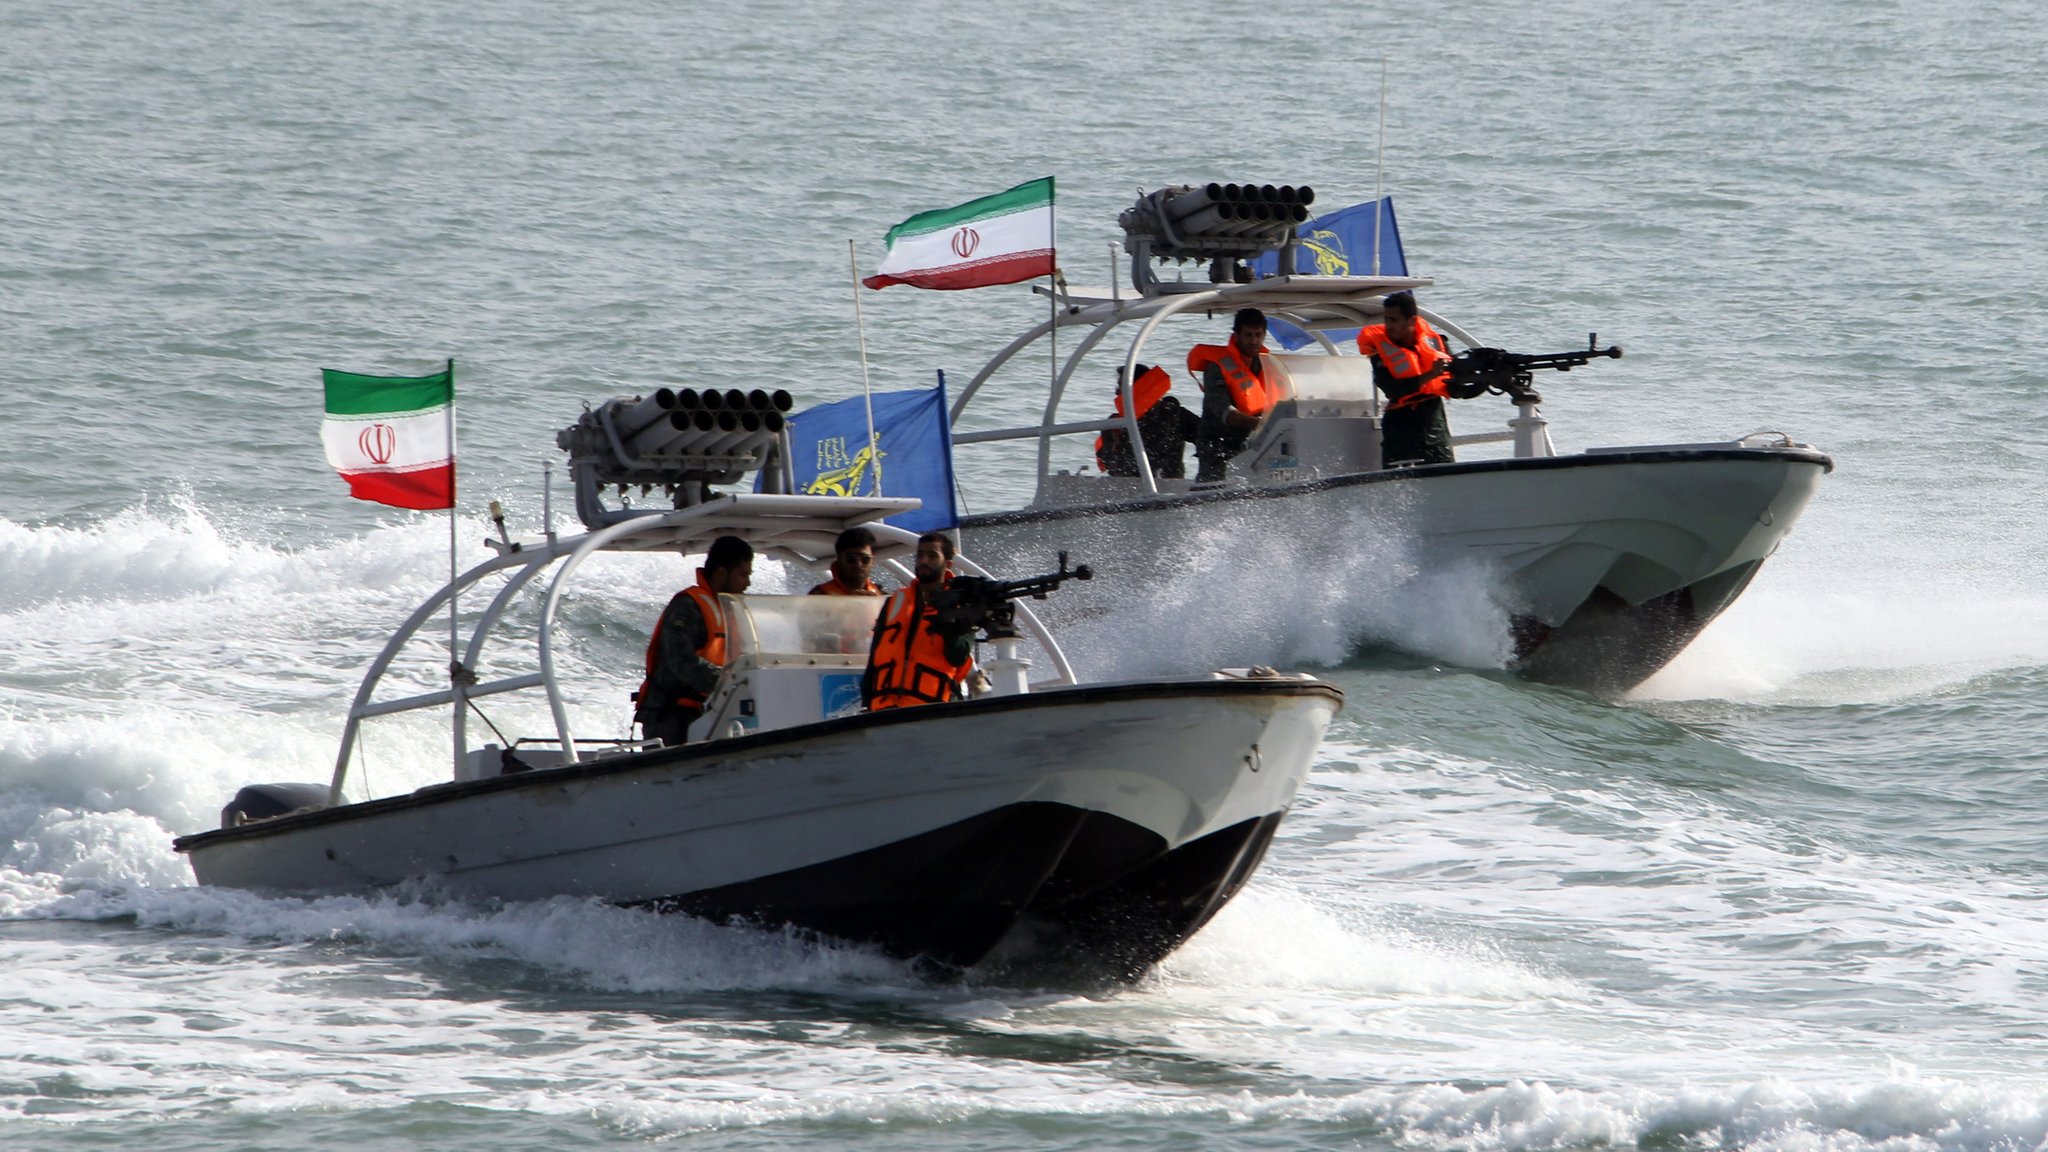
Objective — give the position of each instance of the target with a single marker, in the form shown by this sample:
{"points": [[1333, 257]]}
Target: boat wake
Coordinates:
{"points": [[1247, 590], [1277, 939], [83, 837], [1867, 645]]}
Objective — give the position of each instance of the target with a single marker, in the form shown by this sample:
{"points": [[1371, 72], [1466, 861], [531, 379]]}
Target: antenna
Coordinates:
{"points": [[1379, 179], [860, 325]]}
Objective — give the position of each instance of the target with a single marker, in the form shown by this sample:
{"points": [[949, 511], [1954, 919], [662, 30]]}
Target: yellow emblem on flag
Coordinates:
{"points": [[839, 474], [1329, 250]]}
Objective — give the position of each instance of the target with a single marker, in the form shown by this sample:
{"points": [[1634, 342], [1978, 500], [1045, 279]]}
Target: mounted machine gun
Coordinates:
{"points": [[971, 602], [1497, 370]]}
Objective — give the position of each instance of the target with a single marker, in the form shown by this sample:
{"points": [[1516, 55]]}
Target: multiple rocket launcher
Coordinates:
{"points": [[1222, 223], [686, 422], [1217, 219], [679, 439]]}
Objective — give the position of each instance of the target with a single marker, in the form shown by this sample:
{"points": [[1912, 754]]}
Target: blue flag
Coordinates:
{"points": [[829, 453], [1340, 244]]}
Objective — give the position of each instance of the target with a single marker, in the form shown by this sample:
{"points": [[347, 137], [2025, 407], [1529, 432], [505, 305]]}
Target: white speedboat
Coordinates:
{"points": [[1081, 829], [1611, 560]]}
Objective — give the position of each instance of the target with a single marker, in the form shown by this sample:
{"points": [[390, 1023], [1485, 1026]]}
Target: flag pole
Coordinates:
{"points": [[1052, 329], [860, 325], [1379, 179], [456, 675], [1052, 292]]}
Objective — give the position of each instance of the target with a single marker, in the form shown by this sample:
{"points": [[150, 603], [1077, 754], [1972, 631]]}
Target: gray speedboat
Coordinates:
{"points": [[1611, 559], [1081, 828]]}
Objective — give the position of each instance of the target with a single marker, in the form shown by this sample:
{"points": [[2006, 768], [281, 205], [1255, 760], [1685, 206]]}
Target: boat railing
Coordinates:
{"points": [[796, 528], [1318, 304], [531, 560], [1028, 431]]}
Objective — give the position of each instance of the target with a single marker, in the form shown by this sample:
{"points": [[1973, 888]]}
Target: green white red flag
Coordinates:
{"points": [[997, 239], [393, 437]]}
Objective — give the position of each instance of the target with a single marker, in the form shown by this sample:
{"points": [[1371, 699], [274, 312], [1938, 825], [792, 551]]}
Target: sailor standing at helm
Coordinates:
{"points": [[914, 658], [1409, 363], [687, 652], [1234, 393]]}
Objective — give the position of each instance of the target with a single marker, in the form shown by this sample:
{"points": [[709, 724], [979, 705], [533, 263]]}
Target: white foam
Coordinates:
{"points": [[1337, 995], [1516, 1116], [1855, 643], [1908, 1115], [136, 555], [1682, 889], [1373, 957], [1248, 590], [1274, 937]]}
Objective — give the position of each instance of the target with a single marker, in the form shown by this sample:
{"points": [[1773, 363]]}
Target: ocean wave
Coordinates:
{"points": [[1871, 644], [1894, 1115]]}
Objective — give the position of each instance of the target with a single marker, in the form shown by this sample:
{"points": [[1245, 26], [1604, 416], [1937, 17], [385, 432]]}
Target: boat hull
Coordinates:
{"points": [[941, 832], [1611, 561]]}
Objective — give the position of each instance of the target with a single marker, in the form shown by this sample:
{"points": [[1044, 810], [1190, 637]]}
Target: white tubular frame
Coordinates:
{"points": [[1315, 302], [799, 528]]}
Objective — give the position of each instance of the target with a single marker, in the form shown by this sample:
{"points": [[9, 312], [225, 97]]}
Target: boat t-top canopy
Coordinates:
{"points": [[796, 528], [1317, 304]]}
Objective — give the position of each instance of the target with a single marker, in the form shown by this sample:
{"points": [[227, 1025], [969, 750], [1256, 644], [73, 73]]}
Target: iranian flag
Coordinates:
{"points": [[393, 437], [997, 239]]}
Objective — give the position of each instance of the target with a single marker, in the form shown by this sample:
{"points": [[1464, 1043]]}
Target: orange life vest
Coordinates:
{"points": [[836, 587], [1248, 387], [1429, 355], [908, 664], [713, 649], [1150, 389]]}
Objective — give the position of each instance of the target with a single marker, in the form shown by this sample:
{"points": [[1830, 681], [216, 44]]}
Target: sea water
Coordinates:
{"points": [[1788, 895]]}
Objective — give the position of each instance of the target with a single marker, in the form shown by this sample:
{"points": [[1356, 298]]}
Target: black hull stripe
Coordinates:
{"points": [[1397, 476]]}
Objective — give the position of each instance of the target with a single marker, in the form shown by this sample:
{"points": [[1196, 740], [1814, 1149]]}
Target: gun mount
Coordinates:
{"points": [[1221, 223], [680, 440]]}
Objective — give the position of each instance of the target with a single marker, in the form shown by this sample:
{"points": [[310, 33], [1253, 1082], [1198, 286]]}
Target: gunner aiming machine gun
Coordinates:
{"points": [[971, 602], [1497, 370]]}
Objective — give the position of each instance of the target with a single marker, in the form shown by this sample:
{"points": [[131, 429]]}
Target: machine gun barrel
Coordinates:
{"points": [[1566, 361], [1036, 587], [969, 602], [1479, 370]]}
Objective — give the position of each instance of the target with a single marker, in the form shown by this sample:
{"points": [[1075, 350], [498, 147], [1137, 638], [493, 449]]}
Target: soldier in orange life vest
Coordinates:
{"points": [[1234, 393], [1164, 427], [686, 654], [852, 560], [1409, 362], [913, 659]]}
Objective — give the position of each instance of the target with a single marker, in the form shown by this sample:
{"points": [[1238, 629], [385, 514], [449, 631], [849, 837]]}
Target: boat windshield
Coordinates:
{"points": [[799, 625], [1328, 378]]}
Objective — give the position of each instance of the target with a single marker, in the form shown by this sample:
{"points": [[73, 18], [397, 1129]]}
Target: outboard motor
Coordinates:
{"points": [[269, 801]]}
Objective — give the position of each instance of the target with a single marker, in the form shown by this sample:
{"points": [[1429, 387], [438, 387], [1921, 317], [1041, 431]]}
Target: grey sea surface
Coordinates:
{"points": [[1786, 897]]}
